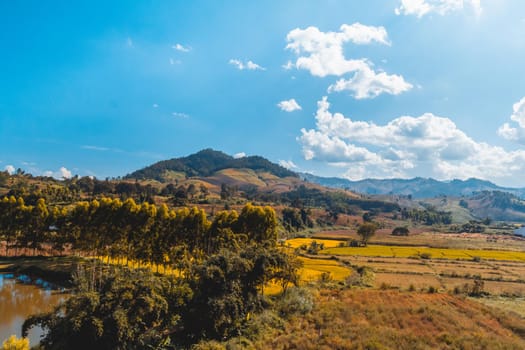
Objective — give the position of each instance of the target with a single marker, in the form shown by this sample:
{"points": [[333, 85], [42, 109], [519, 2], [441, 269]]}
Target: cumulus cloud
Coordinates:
{"points": [[10, 169], [369, 84], [249, 65], [427, 145], [239, 155], [62, 173], [181, 48], [322, 54], [420, 8], [288, 164], [518, 116], [289, 105]]}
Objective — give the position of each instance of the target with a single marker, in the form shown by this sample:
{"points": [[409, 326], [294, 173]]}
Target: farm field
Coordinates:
{"points": [[423, 269], [331, 247], [422, 237]]}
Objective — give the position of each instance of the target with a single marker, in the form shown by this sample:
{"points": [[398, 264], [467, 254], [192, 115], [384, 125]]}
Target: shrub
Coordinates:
{"points": [[425, 256], [400, 231], [297, 300]]}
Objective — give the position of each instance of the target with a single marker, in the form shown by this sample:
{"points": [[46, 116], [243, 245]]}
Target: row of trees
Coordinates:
{"points": [[127, 230]]}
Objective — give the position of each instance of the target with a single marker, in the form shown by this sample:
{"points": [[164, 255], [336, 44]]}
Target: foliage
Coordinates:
{"points": [[127, 311], [335, 202], [13, 343], [207, 162], [400, 231], [429, 216], [366, 231]]}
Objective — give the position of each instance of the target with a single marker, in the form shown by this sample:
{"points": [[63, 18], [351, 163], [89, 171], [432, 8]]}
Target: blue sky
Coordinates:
{"points": [[397, 88]]}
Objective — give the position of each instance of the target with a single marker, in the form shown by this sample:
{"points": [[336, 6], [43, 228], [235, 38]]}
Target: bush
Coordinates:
{"points": [[400, 231], [425, 256], [297, 300]]}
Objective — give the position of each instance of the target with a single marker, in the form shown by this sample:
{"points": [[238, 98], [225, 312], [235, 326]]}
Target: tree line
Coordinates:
{"points": [[129, 231]]}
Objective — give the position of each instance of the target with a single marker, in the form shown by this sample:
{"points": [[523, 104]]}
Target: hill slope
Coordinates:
{"points": [[206, 163], [417, 187]]}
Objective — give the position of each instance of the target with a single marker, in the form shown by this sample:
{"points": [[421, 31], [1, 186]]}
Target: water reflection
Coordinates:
{"points": [[21, 297]]}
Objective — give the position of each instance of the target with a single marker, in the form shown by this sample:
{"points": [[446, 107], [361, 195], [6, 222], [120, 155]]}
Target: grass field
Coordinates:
{"points": [[375, 319]]}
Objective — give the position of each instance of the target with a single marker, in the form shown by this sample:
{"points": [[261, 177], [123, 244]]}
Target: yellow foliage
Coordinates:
{"points": [[13, 343]]}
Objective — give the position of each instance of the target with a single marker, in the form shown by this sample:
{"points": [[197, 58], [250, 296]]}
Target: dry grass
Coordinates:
{"points": [[406, 281], [368, 319]]}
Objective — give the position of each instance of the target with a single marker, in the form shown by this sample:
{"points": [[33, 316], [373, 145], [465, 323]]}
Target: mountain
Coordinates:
{"points": [[206, 163], [417, 187]]}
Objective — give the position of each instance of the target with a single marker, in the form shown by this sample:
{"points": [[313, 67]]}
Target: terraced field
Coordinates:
{"points": [[423, 268]]}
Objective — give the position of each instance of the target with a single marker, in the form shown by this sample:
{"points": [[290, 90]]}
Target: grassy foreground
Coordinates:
{"points": [[372, 319]]}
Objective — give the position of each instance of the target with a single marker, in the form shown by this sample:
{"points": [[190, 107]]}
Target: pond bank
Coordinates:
{"points": [[57, 270]]}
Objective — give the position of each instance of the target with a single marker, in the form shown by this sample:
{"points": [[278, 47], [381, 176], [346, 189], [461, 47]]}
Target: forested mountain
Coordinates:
{"points": [[417, 187], [206, 163]]}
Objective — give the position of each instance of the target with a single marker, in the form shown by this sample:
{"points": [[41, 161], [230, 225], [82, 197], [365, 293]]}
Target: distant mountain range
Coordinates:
{"points": [[207, 163], [417, 187]]}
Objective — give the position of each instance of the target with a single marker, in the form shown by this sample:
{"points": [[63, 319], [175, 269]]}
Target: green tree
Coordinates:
{"points": [[366, 231]]}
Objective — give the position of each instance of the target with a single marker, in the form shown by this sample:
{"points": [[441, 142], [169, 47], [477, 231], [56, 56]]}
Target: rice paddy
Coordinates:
{"points": [[331, 247]]}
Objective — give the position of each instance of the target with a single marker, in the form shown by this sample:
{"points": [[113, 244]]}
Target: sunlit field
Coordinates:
{"points": [[331, 248]]}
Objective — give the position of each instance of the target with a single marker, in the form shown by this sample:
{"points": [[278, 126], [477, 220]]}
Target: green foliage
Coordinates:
{"points": [[296, 301], [366, 231], [400, 231], [429, 216], [127, 311], [296, 219], [206, 163], [335, 202]]}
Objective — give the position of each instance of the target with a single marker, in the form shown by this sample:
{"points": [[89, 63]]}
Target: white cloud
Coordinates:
{"points": [[518, 116], [180, 115], [62, 173], [129, 42], [239, 155], [368, 84], [181, 48], [289, 65], [245, 65], [322, 54], [420, 8], [289, 105], [288, 164], [407, 146], [155, 105], [10, 169]]}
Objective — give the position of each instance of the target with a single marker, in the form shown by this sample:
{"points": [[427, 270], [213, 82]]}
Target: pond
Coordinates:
{"points": [[20, 297]]}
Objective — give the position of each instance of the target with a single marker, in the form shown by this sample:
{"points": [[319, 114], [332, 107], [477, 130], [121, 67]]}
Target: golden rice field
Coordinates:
{"points": [[298, 242], [331, 248], [313, 269]]}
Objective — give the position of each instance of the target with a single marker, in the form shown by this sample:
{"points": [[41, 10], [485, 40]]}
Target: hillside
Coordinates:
{"points": [[417, 187], [204, 164]]}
